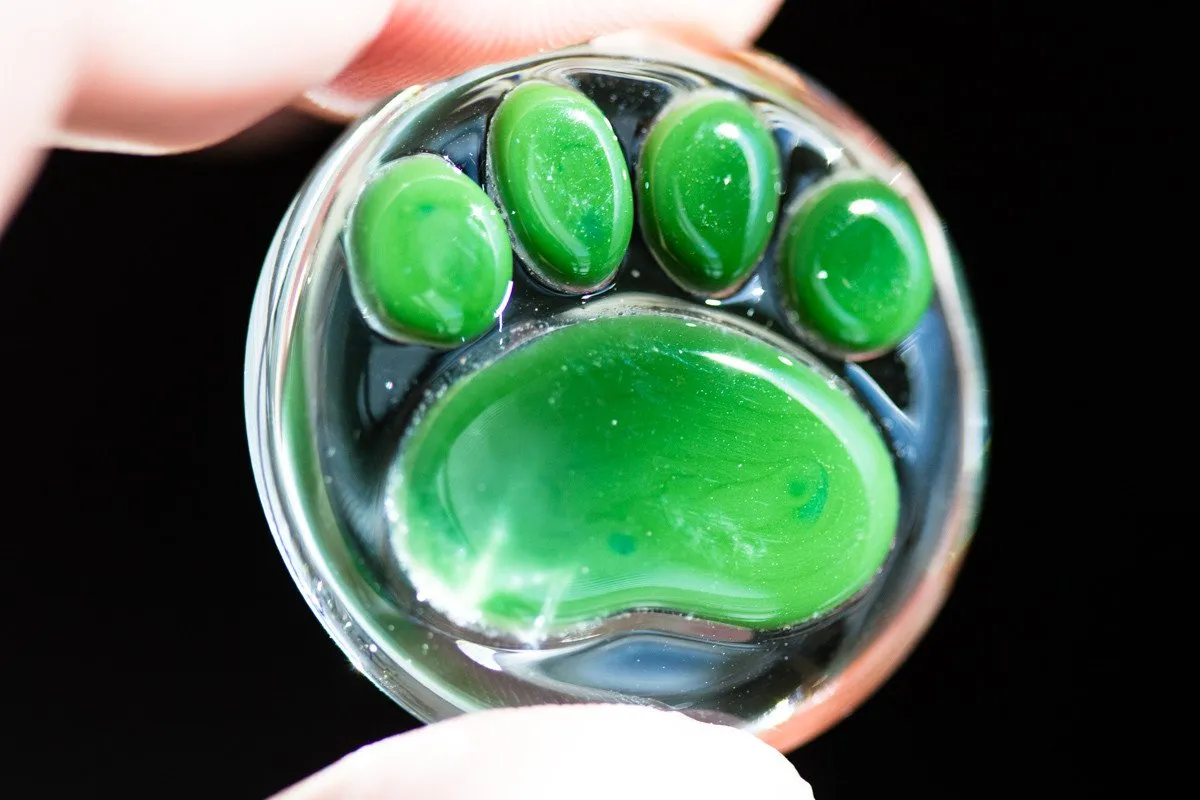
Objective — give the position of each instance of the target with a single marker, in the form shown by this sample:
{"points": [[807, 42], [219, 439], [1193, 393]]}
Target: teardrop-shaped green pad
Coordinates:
{"points": [[561, 178], [709, 179], [644, 461], [429, 257], [855, 266]]}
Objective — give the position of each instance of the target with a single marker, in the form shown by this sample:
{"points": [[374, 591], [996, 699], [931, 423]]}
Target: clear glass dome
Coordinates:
{"points": [[753, 543]]}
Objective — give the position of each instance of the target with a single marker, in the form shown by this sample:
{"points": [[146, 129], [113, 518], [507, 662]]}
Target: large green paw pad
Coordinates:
{"points": [[643, 461]]}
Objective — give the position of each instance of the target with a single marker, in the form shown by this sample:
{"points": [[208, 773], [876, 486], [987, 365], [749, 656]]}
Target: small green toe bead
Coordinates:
{"points": [[429, 257], [855, 265], [709, 179], [642, 461], [561, 178]]}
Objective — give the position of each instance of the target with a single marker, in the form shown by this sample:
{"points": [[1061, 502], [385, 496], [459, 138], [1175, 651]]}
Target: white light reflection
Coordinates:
{"points": [[780, 713], [783, 383], [832, 154], [579, 115], [864, 206], [727, 130], [499, 315], [479, 654]]}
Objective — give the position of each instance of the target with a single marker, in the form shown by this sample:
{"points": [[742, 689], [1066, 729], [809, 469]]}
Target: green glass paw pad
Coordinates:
{"points": [[429, 257], [643, 461], [855, 265], [560, 175], [709, 180]]}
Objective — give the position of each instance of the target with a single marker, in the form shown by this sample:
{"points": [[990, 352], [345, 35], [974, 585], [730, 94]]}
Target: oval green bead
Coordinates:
{"points": [[709, 179], [561, 178], [855, 265], [429, 257], [643, 461]]}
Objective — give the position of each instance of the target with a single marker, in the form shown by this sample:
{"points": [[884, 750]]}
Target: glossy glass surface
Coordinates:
{"points": [[334, 405], [642, 461], [709, 181], [560, 175], [427, 253], [855, 265]]}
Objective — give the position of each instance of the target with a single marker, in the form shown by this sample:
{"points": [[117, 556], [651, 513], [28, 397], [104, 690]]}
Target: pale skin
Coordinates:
{"points": [[166, 76]]}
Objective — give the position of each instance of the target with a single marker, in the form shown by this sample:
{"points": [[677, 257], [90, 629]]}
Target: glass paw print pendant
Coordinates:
{"points": [[634, 372]]}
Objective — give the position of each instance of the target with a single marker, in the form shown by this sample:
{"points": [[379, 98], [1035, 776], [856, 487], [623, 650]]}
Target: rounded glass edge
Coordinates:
{"points": [[275, 309]]}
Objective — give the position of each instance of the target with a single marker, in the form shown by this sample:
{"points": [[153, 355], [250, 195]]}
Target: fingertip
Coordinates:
{"points": [[37, 65], [161, 77], [556, 751], [427, 40]]}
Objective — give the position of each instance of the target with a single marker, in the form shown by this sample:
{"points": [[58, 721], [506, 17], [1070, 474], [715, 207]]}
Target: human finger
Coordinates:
{"points": [[579, 751]]}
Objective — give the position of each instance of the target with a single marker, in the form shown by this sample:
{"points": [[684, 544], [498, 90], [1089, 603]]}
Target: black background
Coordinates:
{"points": [[161, 646]]}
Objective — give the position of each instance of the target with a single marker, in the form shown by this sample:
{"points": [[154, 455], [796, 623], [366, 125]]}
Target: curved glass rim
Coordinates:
{"points": [[275, 315]]}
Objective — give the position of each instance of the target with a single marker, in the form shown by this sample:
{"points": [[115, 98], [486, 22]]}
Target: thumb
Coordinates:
{"points": [[560, 751]]}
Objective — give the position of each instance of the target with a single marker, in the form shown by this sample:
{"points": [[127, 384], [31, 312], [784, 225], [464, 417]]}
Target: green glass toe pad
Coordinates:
{"points": [[642, 461], [855, 265], [709, 179], [429, 256], [561, 177]]}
